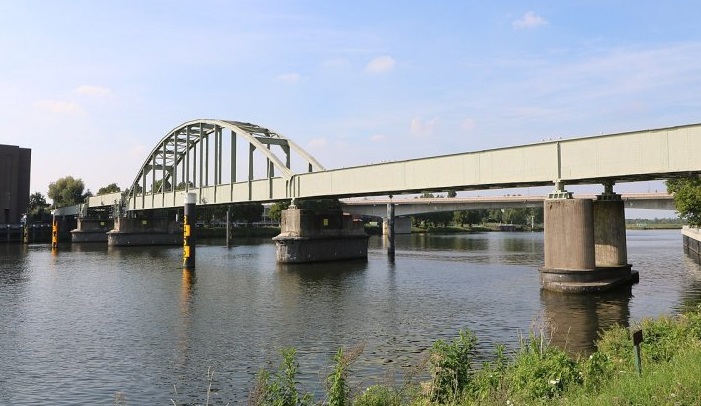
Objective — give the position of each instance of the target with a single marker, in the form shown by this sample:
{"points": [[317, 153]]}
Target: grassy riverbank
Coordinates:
{"points": [[537, 373]]}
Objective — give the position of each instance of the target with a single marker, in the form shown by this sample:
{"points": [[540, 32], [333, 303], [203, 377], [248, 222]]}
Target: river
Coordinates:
{"points": [[90, 324]]}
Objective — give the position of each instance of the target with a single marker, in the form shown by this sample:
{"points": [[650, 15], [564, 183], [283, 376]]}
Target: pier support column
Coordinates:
{"points": [[144, 231], [91, 230], [390, 230], [610, 230], [315, 236], [569, 234], [585, 244]]}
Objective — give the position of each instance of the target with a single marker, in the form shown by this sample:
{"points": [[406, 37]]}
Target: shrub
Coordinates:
{"points": [[488, 381], [451, 366], [280, 389], [541, 371]]}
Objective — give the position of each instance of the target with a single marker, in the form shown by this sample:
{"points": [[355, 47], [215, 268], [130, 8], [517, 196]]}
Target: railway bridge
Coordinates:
{"points": [[202, 162]]}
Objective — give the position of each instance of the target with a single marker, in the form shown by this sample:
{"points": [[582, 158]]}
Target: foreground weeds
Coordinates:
{"points": [[536, 373]]}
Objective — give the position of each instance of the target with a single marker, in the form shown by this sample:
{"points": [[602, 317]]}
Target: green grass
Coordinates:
{"points": [[675, 382]]}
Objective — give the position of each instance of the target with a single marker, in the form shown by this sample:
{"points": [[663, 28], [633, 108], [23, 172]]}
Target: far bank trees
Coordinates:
{"points": [[687, 198], [67, 191]]}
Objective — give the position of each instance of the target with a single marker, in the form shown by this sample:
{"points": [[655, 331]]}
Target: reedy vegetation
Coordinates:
{"points": [[536, 373]]}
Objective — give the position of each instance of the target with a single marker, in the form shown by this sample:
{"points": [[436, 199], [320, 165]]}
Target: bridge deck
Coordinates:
{"points": [[641, 155]]}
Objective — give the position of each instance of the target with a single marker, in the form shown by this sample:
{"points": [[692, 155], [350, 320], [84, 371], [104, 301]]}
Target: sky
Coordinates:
{"points": [[93, 86]]}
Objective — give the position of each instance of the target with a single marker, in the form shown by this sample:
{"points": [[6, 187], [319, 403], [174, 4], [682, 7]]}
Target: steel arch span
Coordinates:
{"points": [[206, 157]]}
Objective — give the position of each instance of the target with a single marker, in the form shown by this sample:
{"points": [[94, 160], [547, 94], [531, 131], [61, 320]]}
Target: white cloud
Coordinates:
{"points": [[290, 78], [529, 20], [93, 90], [59, 106], [381, 64], [421, 128], [378, 138]]}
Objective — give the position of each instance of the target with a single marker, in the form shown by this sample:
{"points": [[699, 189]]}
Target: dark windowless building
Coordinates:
{"points": [[15, 167]]}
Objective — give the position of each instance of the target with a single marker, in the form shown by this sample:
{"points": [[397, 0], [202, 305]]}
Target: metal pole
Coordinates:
{"points": [[228, 227], [390, 229], [189, 219]]}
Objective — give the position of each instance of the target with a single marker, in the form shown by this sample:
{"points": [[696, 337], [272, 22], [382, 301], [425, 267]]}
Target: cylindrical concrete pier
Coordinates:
{"points": [[569, 234], [189, 220], [573, 227], [610, 233]]}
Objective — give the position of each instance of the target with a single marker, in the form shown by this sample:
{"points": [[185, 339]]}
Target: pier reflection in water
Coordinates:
{"points": [[577, 319], [89, 321]]}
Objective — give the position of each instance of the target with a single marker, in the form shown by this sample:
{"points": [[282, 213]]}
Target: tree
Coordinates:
{"points": [[184, 185], [452, 193], [67, 191], [275, 211], [248, 212], [156, 188], [37, 207], [515, 216], [687, 198], [111, 188], [469, 217]]}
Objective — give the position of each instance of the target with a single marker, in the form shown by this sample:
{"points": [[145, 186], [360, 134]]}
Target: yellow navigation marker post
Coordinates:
{"points": [[189, 219]]}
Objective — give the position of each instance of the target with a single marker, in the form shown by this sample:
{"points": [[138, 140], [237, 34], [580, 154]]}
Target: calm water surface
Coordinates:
{"points": [[89, 322]]}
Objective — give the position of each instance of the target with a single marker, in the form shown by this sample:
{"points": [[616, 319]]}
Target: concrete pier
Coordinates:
{"points": [[585, 246], [311, 236], [91, 230], [691, 237], [145, 231]]}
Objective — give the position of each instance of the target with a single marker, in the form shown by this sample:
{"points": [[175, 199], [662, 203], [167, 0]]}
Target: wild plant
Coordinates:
{"points": [[280, 389], [451, 366]]}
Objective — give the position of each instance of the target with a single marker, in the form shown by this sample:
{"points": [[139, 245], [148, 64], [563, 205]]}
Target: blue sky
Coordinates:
{"points": [[92, 86]]}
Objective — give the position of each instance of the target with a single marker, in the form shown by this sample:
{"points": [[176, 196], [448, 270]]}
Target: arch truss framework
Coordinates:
{"points": [[201, 156]]}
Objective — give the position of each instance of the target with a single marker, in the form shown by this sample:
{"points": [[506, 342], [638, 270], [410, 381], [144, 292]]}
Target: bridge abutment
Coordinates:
{"points": [[144, 231], [585, 245], [316, 236]]}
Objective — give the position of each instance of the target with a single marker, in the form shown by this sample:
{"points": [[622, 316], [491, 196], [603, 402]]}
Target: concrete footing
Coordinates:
{"points": [[307, 236], [91, 230], [158, 231], [585, 246]]}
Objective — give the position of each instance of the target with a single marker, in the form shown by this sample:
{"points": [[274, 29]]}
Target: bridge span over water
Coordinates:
{"points": [[408, 207], [200, 162], [225, 162]]}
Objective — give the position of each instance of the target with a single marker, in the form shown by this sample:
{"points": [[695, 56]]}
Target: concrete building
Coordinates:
{"points": [[15, 170]]}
